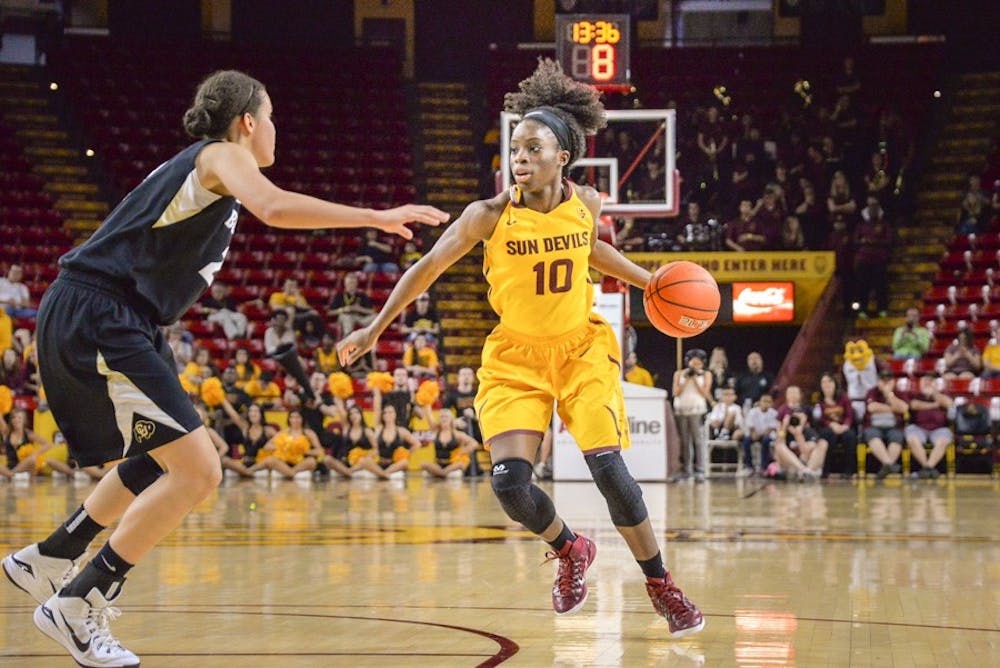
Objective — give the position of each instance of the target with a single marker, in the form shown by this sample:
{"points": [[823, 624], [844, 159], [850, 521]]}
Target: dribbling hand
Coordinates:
{"points": [[356, 344], [394, 220]]}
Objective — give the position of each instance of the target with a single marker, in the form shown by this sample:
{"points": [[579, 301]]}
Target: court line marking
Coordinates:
{"points": [[211, 608]]}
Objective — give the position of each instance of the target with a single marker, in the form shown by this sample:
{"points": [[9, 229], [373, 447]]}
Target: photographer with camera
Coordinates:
{"points": [[692, 389], [796, 449], [910, 340]]}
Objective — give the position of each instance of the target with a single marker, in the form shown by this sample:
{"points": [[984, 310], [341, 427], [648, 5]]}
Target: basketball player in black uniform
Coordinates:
{"points": [[108, 371]]}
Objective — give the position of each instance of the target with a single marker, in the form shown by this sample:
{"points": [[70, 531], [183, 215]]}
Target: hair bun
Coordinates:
{"points": [[197, 122]]}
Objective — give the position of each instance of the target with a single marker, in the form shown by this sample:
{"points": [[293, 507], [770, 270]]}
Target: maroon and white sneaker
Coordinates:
{"points": [[683, 617], [569, 591]]}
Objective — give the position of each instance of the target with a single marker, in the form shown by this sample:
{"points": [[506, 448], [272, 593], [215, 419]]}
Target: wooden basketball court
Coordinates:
{"points": [[430, 573]]}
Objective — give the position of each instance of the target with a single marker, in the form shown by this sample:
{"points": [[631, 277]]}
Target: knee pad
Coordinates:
{"points": [[138, 473], [522, 501], [619, 489]]}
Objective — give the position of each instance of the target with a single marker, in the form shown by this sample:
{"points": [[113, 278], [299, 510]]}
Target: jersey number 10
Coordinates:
{"points": [[560, 276]]}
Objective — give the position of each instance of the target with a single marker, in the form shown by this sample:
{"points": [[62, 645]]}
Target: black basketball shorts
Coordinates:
{"points": [[108, 373]]}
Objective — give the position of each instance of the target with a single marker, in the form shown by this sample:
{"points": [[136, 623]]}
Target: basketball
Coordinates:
{"points": [[681, 299]]}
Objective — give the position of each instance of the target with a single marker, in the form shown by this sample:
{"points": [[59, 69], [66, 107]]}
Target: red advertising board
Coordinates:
{"points": [[763, 302]]}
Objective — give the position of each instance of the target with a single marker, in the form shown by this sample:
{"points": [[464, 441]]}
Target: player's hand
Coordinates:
{"points": [[357, 343], [394, 220]]}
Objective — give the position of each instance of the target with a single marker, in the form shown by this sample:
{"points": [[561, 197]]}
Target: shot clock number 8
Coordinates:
{"points": [[594, 48]]}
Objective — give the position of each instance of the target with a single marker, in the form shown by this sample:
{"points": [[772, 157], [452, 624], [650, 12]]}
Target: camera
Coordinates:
{"points": [[691, 372], [794, 421]]}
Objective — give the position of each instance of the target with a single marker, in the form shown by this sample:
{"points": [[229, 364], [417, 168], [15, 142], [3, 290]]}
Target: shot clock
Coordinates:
{"points": [[594, 48]]}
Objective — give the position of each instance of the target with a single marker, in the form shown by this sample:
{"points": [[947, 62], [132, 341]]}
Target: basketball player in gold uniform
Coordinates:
{"points": [[540, 240]]}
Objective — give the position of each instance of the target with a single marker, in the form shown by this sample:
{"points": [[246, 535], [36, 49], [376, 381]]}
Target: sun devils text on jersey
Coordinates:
{"points": [[537, 266]]}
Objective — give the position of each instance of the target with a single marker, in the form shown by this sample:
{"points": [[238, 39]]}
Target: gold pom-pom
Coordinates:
{"points": [[341, 385], [212, 393], [6, 400], [428, 393], [381, 381]]}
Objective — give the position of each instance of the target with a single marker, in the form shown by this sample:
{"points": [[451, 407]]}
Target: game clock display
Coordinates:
{"points": [[594, 48]]}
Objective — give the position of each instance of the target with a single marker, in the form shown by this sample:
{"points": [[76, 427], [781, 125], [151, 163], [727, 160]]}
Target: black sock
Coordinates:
{"points": [[104, 571], [566, 536], [71, 539], [653, 567]]}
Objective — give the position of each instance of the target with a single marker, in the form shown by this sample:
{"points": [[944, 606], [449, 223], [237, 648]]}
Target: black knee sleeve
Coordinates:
{"points": [[618, 487], [138, 473], [522, 501]]}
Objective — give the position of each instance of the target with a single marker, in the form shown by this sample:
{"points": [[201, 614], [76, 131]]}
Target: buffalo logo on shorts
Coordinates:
{"points": [[144, 430]]}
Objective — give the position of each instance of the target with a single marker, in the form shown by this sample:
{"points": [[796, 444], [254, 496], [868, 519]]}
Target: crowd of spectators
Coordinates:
{"points": [[821, 174]]}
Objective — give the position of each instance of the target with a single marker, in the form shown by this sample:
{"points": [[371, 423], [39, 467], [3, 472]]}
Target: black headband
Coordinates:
{"points": [[558, 126]]}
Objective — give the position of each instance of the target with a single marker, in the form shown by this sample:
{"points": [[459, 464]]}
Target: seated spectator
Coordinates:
{"points": [[631, 238], [962, 358], [293, 452], [325, 356], [910, 340], [847, 81], [24, 448], [357, 444], [796, 448], [237, 398], [461, 399], [453, 449], [264, 391], [718, 366], [761, 426], [410, 256], [253, 435], [973, 213], [872, 252], [14, 295], [303, 317], [200, 368], [246, 369], [792, 237], [713, 143], [12, 373], [423, 319], [991, 359], [420, 360], [747, 233], [878, 180], [636, 373], [754, 382], [220, 309], [180, 345], [769, 213], [394, 443], [352, 307], [279, 333], [375, 255], [833, 418], [884, 412], [725, 420], [929, 408], [651, 185]]}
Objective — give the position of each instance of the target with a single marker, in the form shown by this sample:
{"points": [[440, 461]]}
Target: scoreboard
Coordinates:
{"points": [[594, 48]]}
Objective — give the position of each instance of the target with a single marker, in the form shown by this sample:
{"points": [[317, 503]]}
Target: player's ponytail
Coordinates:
{"points": [[221, 97], [576, 104]]}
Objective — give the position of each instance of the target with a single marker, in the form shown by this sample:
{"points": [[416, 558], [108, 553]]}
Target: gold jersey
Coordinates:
{"points": [[538, 266]]}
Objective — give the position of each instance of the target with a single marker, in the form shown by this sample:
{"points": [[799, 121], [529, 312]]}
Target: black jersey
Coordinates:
{"points": [[165, 241]]}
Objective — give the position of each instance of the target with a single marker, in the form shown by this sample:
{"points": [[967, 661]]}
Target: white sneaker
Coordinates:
{"points": [[457, 473], [262, 474], [36, 574], [397, 475], [744, 472], [22, 476], [82, 626], [303, 475], [80, 476], [229, 474], [58, 476]]}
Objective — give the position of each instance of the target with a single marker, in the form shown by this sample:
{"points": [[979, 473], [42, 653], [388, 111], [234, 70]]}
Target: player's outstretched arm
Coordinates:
{"points": [[231, 169], [474, 225]]}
